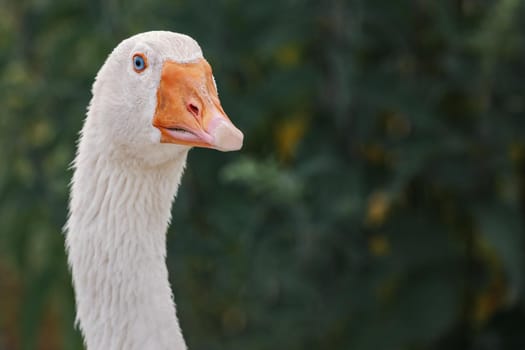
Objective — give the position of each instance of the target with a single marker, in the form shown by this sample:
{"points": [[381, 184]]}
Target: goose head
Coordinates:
{"points": [[155, 97]]}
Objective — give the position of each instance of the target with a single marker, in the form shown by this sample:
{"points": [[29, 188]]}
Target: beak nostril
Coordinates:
{"points": [[194, 109]]}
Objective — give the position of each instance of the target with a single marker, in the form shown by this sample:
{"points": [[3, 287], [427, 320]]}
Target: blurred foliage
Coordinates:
{"points": [[378, 202]]}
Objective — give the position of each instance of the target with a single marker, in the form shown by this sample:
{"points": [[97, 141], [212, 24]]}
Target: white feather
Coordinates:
{"points": [[123, 186]]}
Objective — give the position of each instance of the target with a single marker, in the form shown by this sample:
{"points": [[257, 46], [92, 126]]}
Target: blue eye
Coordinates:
{"points": [[139, 63]]}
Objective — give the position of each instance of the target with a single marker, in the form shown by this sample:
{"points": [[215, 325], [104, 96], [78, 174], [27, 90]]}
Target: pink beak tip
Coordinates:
{"points": [[226, 137]]}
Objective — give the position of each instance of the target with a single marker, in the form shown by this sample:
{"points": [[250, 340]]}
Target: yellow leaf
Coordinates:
{"points": [[378, 208], [40, 132], [378, 245], [288, 55], [374, 153], [490, 300], [288, 135]]}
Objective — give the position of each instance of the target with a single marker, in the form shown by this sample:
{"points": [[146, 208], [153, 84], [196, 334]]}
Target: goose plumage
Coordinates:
{"points": [[153, 99]]}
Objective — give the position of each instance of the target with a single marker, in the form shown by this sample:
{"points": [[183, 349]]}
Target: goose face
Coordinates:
{"points": [[156, 90]]}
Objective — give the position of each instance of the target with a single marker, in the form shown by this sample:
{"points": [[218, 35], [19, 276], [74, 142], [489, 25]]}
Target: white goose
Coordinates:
{"points": [[153, 99]]}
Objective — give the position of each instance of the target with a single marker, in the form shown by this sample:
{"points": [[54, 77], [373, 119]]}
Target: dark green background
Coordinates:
{"points": [[378, 202]]}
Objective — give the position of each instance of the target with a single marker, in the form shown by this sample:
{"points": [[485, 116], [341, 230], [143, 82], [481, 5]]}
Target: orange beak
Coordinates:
{"points": [[189, 111]]}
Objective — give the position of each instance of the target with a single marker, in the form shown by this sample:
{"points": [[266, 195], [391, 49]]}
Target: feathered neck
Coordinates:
{"points": [[116, 240]]}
